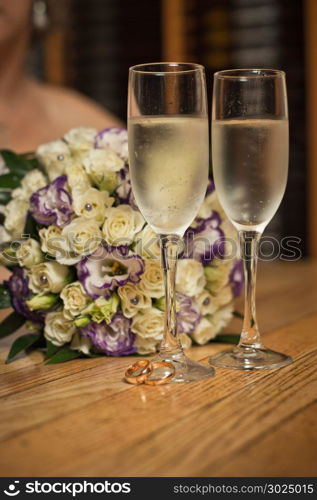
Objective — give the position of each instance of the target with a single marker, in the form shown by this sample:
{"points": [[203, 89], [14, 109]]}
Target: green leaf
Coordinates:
{"points": [[64, 354], [10, 324], [5, 300], [30, 227], [10, 181], [17, 164], [227, 338], [21, 344], [30, 157], [34, 162], [51, 349], [5, 196], [40, 343]]}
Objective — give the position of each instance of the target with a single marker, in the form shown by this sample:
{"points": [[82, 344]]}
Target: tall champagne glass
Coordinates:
{"points": [[250, 165], [168, 157]]}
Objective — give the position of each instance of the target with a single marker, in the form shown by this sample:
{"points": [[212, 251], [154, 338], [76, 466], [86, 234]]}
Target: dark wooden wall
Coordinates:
{"points": [[104, 37]]}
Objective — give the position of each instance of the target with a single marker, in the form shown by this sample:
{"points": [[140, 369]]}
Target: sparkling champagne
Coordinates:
{"points": [[250, 162], [169, 169]]}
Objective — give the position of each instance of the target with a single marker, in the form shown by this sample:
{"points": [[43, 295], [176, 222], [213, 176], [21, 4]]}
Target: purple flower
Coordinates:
{"points": [[107, 268], [115, 139], [114, 339], [188, 315], [19, 292], [236, 278], [210, 186], [124, 193], [206, 241], [52, 204]]}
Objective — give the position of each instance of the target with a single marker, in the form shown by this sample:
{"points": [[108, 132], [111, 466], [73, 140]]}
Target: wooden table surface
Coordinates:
{"points": [[80, 419]]}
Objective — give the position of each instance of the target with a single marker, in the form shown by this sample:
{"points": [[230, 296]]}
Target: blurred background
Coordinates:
{"points": [[89, 45]]}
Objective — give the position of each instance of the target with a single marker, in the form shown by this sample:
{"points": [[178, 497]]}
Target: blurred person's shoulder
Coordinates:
{"points": [[67, 108], [51, 111]]}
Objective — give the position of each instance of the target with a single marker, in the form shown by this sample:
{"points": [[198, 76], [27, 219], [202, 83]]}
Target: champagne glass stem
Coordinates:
{"points": [[249, 244], [250, 354], [169, 252]]}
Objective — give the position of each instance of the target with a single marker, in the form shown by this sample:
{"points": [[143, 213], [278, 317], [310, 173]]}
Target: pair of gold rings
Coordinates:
{"points": [[139, 372]]}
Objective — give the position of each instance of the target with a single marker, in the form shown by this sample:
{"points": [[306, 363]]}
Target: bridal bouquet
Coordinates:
{"points": [[85, 268]]}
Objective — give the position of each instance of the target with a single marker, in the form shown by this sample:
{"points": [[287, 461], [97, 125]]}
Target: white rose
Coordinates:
{"points": [[58, 330], [4, 235], [15, 215], [7, 256], [205, 303], [97, 161], [146, 345], [91, 203], [81, 343], [77, 177], [133, 299], [54, 243], [80, 139], [29, 253], [209, 327], [221, 318], [217, 275], [149, 323], [102, 166], [223, 297], [75, 299], [83, 236], [121, 225], [54, 156], [51, 237], [185, 340], [31, 182], [148, 243], [152, 279], [48, 277], [190, 278], [204, 332], [52, 149]]}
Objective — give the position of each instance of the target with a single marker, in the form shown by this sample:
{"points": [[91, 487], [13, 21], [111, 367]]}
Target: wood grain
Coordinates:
{"points": [[80, 419], [298, 433]]}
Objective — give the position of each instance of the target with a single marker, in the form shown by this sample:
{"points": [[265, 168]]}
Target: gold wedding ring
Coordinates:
{"points": [[138, 372]]}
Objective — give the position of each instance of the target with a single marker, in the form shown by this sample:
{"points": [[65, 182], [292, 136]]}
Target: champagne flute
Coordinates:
{"points": [[168, 157], [250, 166]]}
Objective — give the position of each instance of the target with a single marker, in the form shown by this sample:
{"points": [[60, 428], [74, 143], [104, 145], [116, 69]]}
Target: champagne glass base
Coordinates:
{"points": [[246, 358], [186, 370]]}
